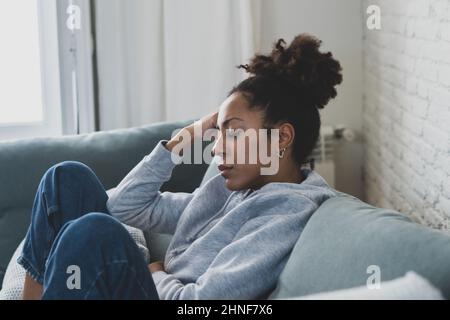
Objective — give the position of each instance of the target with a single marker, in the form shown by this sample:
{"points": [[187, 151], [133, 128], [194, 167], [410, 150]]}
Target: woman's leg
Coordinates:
{"points": [[67, 191], [94, 257]]}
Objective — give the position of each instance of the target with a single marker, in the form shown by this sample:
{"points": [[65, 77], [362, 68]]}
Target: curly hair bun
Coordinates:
{"points": [[312, 74]]}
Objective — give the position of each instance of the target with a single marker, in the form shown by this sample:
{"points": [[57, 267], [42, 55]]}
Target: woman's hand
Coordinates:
{"points": [[156, 266], [207, 122], [194, 131]]}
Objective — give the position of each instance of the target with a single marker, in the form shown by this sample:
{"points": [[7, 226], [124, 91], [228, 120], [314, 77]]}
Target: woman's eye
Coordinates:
{"points": [[234, 133]]}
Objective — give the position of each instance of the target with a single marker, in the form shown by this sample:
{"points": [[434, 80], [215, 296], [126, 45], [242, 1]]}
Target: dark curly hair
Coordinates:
{"points": [[291, 85]]}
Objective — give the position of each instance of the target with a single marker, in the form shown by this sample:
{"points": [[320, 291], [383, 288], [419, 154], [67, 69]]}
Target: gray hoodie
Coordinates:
{"points": [[225, 245]]}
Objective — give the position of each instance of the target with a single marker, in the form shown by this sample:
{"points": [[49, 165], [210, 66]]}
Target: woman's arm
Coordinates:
{"points": [[137, 200], [249, 267]]}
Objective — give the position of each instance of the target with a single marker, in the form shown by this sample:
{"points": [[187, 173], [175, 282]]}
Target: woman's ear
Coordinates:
{"points": [[286, 135]]}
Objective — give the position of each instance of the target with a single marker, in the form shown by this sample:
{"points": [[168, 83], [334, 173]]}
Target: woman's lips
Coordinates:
{"points": [[223, 168]]}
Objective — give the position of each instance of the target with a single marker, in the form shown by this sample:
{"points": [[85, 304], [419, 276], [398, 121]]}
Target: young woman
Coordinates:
{"points": [[231, 237]]}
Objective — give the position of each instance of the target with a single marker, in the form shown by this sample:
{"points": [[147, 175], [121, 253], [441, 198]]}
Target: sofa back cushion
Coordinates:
{"points": [[347, 241], [211, 172]]}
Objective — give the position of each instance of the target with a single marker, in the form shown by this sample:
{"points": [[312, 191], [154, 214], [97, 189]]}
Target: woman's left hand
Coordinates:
{"points": [[156, 266]]}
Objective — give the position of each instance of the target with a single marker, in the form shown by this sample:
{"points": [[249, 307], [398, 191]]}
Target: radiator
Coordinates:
{"points": [[323, 155]]}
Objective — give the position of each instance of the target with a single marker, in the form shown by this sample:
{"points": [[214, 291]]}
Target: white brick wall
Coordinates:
{"points": [[406, 110]]}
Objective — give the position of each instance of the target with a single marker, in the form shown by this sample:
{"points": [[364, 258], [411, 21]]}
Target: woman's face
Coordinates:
{"points": [[236, 115]]}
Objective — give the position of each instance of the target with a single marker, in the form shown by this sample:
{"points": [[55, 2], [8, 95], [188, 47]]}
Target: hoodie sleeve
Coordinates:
{"points": [[249, 267], [137, 200]]}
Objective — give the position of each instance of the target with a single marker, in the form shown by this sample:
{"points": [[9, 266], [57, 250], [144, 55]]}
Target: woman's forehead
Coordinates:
{"points": [[236, 108]]}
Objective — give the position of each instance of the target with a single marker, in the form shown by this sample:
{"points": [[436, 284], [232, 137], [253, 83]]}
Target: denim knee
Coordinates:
{"points": [[91, 237], [94, 229], [72, 167], [68, 177], [69, 171]]}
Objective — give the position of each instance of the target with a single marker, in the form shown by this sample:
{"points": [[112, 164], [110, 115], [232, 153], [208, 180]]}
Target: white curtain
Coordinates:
{"points": [[170, 60]]}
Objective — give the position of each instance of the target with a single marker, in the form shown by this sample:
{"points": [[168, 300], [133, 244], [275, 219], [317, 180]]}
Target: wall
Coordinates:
{"points": [[406, 109], [339, 25]]}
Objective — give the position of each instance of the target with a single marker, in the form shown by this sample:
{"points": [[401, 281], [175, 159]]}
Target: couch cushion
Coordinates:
{"points": [[211, 172], [345, 236], [13, 226], [410, 287]]}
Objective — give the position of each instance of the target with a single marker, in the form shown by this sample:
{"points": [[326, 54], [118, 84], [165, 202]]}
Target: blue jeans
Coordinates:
{"points": [[74, 248]]}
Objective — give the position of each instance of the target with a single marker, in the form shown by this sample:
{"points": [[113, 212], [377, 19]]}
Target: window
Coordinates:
{"points": [[20, 63], [29, 79]]}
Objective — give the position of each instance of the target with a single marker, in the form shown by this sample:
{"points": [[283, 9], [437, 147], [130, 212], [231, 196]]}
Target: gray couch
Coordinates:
{"points": [[341, 241]]}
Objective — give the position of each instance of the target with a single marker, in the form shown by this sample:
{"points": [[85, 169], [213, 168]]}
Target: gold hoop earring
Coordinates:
{"points": [[281, 153]]}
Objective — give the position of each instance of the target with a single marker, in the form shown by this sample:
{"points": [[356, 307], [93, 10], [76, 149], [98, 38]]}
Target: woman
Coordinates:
{"points": [[231, 237]]}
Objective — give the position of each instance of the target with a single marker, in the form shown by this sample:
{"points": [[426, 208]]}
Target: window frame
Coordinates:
{"points": [[78, 70]]}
